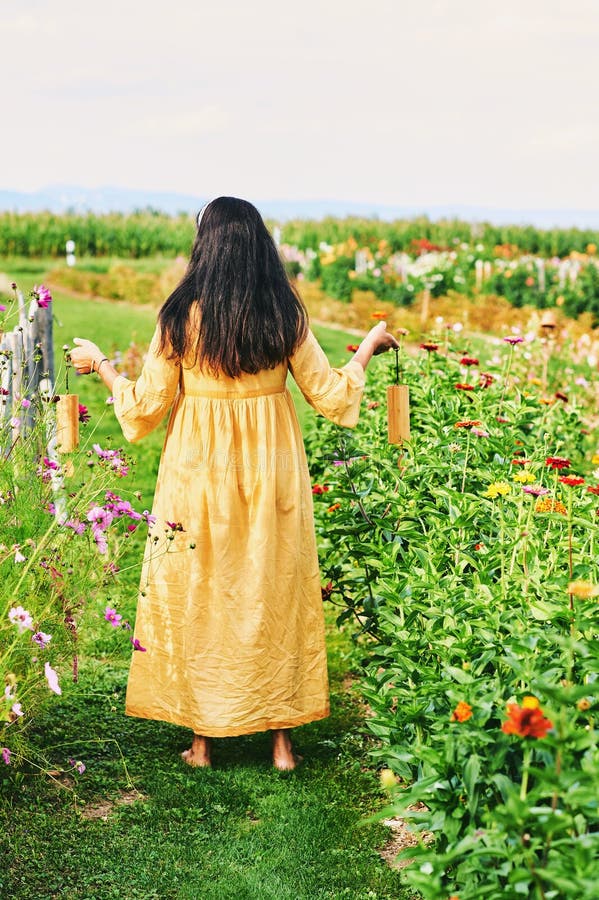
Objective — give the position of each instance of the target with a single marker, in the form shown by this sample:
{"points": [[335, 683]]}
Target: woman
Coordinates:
{"points": [[230, 608]]}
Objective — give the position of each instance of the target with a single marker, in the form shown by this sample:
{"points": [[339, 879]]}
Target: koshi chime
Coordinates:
{"points": [[67, 422], [398, 409]]}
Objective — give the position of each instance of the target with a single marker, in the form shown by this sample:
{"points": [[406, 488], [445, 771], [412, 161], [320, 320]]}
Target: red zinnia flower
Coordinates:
{"points": [[561, 396], [430, 348], [464, 387], [593, 489], [320, 488], [557, 462], [571, 480], [526, 720], [352, 348], [485, 379], [468, 361], [520, 462]]}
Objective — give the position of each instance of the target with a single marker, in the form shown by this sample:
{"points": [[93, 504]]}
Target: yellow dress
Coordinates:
{"points": [[230, 608]]}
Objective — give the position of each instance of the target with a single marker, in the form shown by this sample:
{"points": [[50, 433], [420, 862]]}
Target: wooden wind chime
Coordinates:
{"points": [[398, 408], [67, 423]]}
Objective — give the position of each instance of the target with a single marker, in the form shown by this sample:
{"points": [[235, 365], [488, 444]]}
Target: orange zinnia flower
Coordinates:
{"points": [[462, 712], [468, 423], [378, 315], [526, 720]]}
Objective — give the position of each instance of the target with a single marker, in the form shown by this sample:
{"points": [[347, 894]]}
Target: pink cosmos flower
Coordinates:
{"points": [[42, 295], [137, 645], [6, 755], [112, 616], [15, 422], [21, 618], [149, 518], [41, 639], [52, 679], [76, 764], [77, 526], [25, 403], [100, 539], [100, 517], [16, 711]]}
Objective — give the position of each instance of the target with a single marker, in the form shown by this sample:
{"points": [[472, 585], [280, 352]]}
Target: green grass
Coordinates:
{"points": [[238, 831]]}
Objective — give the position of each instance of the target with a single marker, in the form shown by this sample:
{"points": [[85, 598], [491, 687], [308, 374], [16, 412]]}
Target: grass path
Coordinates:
{"points": [[139, 823]]}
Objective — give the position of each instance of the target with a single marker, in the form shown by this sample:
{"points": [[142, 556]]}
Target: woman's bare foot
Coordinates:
{"points": [[199, 752], [283, 757]]}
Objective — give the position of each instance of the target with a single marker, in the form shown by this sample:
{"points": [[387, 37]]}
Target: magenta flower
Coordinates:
{"points": [[112, 616], [84, 415], [25, 403], [52, 679], [77, 526], [21, 618], [41, 639], [513, 339], [6, 755], [76, 764], [149, 518], [137, 645], [42, 295]]}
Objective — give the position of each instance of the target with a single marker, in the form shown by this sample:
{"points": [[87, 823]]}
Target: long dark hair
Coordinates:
{"points": [[250, 316]]}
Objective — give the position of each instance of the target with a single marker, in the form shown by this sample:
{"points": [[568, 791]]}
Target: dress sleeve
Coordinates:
{"points": [[336, 393], [140, 405]]}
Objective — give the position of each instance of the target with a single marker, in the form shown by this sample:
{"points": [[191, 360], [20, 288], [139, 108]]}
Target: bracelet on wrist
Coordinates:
{"points": [[103, 360]]}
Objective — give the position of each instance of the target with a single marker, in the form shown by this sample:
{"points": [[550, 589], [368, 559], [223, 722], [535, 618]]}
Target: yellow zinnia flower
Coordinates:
{"points": [[497, 489], [524, 477], [583, 589]]}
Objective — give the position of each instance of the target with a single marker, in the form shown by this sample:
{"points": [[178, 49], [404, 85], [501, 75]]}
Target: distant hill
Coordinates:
{"points": [[63, 198]]}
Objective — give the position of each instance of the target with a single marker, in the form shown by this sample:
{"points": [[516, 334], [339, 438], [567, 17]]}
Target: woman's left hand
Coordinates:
{"points": [[86, 356]]}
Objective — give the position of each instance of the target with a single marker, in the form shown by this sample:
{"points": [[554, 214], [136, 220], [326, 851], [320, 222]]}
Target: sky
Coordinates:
{"points": [[390, 101]]}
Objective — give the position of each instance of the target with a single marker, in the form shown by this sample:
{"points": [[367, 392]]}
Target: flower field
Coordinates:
{"points": [[465, 563]]}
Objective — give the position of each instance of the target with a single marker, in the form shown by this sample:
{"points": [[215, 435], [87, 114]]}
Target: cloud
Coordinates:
{"points": [[170, 125]]}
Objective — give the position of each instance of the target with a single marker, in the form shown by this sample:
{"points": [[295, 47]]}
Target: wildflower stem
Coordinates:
{"points": [[570, 550], [466, 455], [525, 772]]}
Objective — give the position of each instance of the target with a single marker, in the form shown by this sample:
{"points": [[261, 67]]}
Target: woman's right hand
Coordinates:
{"points": [[381, 339]]}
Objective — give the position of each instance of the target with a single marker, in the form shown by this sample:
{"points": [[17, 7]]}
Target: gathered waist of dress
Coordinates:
{"points": [[216, 394]]}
